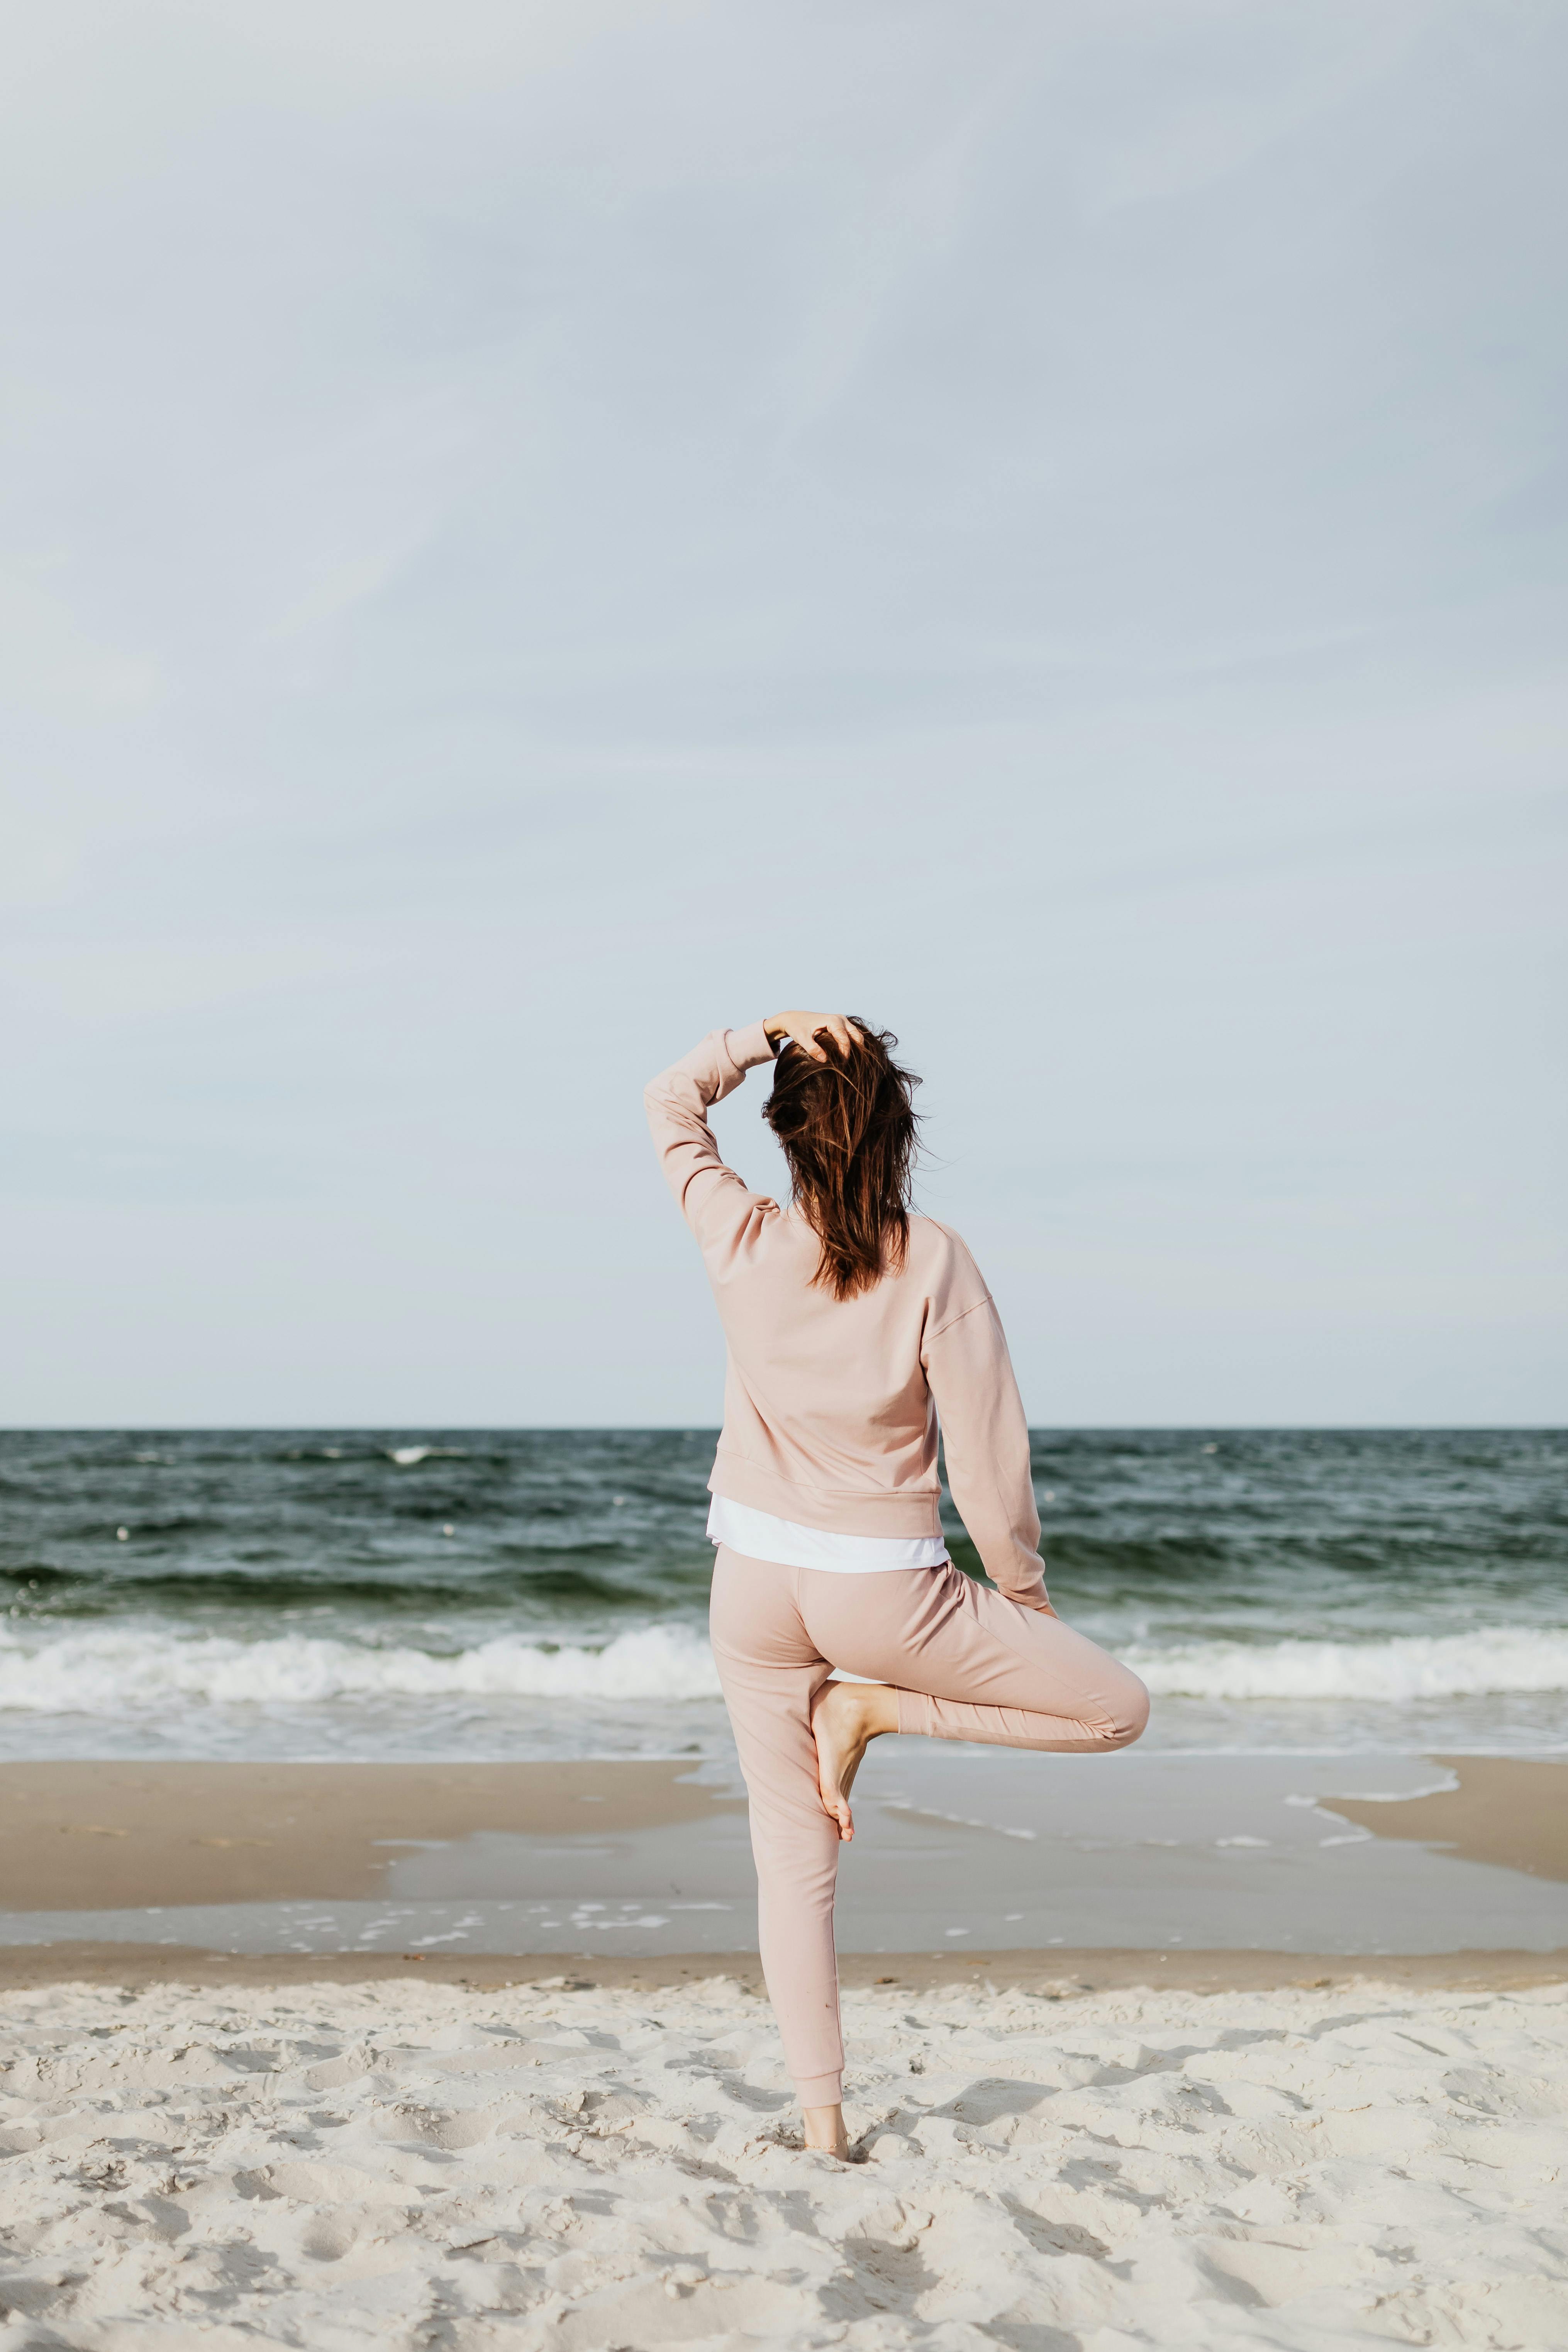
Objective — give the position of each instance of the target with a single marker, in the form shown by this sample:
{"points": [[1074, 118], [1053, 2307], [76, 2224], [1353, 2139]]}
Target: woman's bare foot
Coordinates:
{"points": [[844, 1719], [825, 2130]]}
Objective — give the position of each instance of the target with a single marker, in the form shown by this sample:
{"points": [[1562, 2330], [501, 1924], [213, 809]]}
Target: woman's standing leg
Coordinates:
{"points": [[771, 1672]]}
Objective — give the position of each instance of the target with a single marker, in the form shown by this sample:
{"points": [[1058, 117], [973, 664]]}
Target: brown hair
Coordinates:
{"points": [[848, 1134]]}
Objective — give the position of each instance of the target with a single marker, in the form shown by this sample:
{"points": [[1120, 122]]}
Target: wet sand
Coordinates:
{"points": [[1188, 1871], [107, 1836], [1504, 1810]]}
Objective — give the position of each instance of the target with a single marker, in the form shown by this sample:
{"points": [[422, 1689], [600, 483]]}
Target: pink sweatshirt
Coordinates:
{"points": [[831, 1405]]}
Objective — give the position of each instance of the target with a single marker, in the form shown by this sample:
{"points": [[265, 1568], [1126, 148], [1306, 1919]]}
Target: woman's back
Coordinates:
{"points": [[831, 1396]]}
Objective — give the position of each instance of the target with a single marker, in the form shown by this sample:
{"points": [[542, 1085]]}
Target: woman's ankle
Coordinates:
{"points": [[879, 1707], [867, 1708], [824, 2129]]}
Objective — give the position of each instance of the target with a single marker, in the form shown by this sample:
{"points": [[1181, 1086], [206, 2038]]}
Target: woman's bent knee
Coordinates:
{"points": [[1128, 1712]]}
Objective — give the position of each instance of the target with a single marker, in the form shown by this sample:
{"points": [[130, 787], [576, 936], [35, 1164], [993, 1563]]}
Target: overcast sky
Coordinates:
{"points": [[534, 532]]}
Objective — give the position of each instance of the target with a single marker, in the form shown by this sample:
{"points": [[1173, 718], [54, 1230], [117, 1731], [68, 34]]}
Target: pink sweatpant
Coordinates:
{"points": [[967, 1664]]}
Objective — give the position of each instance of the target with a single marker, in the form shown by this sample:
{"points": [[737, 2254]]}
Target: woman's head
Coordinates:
{"points": [[848, 1133]]}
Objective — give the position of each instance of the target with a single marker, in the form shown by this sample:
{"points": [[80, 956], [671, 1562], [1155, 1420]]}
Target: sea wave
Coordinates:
{"points": [[106, 1671], [1407, 1666]]}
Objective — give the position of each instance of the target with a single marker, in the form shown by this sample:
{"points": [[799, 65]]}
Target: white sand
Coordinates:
{"points": [[414, 2164]]}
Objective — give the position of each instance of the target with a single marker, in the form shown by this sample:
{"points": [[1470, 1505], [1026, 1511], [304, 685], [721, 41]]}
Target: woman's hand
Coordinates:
{"points": [[803, 1029]]}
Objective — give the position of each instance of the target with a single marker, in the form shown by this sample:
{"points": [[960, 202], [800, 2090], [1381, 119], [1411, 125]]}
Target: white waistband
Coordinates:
{"points": [[760, 1536]]}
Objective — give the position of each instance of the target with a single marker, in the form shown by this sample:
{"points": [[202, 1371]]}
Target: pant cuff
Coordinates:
{"points": [[819, 2090], [914, 1712]]}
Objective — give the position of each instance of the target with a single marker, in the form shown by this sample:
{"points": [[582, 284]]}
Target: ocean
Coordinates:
{"points": [[514, 1594]]}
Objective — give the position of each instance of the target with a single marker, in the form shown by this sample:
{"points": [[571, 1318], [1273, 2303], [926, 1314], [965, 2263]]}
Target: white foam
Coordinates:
{"points": [[115, 1672], [1409, 1666], [110, 1671]]}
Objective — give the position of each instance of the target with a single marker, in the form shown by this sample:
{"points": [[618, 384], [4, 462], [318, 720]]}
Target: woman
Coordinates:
{"points": [[852, 1325]]}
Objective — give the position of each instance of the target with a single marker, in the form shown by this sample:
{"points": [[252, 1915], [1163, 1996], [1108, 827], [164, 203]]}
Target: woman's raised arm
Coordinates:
{"points": [[678, 1100]]}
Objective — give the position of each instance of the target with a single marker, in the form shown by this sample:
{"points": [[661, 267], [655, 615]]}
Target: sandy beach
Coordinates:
{"points": [[212, 2129], [410, 2163]]}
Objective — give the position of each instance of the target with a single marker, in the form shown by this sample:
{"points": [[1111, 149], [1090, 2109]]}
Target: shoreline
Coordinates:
{"points": [[102, 1835], [1051, 1975], [974, 1867]]}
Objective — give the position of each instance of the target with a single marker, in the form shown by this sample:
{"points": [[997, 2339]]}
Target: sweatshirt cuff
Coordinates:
{"points": [[750, 1047]]}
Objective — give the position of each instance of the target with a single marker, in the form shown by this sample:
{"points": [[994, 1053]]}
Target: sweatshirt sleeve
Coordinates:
{"points": [[678, 1102], [986, 1441]]}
